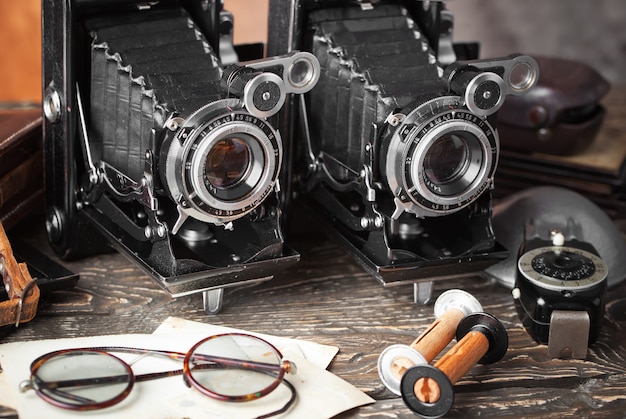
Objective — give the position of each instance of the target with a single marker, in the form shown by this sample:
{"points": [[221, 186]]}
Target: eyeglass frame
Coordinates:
{"points": [[285, 367]]}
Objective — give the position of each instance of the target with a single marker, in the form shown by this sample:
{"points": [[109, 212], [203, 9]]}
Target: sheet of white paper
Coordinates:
{"points": [[320, 393]]}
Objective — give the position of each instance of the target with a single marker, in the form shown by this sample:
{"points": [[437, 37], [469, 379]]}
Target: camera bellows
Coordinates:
{"points": [[142, 71], [175, 163], [376, 61]]}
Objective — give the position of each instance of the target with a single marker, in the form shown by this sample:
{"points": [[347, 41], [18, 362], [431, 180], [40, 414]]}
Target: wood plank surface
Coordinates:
{"points": [[328, 299]]}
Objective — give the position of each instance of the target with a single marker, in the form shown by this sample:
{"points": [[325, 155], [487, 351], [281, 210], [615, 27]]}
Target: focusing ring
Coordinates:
{"points": [[186, 154], [413, 140]]}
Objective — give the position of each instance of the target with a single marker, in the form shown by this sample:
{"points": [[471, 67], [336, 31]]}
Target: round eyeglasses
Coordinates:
{"points": [[230, 367]]}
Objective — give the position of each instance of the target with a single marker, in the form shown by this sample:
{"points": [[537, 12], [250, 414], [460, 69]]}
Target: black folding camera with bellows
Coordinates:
{"points": [[158, 140], [397, 144]]}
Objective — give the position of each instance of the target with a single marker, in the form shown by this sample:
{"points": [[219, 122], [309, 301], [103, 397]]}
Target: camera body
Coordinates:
{"points": [[398, 145], [167, 150], [558, 275]]}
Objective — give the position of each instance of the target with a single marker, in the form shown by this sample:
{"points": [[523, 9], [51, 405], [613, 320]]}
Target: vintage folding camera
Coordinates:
{"points": [[167, 150], [398, 147]]}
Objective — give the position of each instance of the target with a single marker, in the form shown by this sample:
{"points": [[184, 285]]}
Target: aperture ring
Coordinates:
{"points": [[480, 168], [414, 138], [186, 160]]}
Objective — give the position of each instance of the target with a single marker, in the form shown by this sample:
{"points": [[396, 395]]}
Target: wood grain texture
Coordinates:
{"points": [[328, 299], [432, 341]]}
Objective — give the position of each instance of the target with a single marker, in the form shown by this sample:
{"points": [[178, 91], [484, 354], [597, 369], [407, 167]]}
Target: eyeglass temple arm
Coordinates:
{"points": [[232, 362], [115, 379]]}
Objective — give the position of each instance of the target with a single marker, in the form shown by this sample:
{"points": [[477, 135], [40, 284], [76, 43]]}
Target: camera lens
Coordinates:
{"points": [[447, 159], [452, 163], [222, 163], [440, 158], [227, 162], [230, 167]]}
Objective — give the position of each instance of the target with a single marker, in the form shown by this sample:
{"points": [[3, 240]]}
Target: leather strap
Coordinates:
{"points": [[21, 288]]}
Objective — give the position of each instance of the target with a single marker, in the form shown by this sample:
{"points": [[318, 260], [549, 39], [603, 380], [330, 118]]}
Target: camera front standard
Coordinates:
{"points": [[399, 148], [160, 144]]}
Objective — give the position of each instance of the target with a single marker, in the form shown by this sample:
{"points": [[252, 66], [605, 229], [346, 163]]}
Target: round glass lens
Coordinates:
{"points": [[82, 379], [236, 367], [301, 73], [521, 76], [447, 159], [227, 162]]}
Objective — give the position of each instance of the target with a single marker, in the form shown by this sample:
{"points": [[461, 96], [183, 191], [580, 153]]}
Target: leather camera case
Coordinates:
{"points": [[21, 164]]}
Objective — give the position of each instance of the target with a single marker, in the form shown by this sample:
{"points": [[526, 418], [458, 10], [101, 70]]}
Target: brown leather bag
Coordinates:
{"points": [[21, 164], [560, 115]]}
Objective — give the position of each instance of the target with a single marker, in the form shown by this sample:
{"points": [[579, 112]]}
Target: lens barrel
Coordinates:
{"points": [[440, 158]]}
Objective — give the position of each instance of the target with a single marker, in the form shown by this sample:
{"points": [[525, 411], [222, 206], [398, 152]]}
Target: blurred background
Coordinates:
{"points": [[591, 31]]}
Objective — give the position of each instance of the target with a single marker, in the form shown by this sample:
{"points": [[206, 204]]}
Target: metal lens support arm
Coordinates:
{"points": [[485, 83], [263, 84]]}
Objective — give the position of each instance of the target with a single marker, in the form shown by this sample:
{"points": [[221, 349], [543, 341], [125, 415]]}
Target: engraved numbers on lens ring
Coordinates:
{"points": [[415, 137], [525, 266], [231, 203], [476, 173]]}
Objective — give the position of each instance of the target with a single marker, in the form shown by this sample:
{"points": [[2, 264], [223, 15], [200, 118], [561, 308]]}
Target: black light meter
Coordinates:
{"points": [[560, 292]]}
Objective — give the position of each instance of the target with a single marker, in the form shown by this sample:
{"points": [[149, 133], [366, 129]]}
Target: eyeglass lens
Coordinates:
{"points": [[235, 366], [82, 378]]}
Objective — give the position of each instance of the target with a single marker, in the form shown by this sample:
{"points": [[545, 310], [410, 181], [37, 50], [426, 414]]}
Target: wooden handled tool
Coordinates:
{"points": [[428, 390], [450, 308]]}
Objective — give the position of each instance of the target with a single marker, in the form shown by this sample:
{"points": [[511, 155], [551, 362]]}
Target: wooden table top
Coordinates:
{"points": [[327, 298]]}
